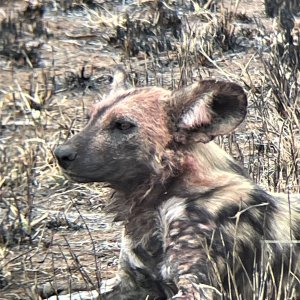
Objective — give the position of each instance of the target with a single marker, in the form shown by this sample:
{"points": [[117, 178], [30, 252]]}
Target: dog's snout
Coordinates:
{"points": [[65, 154]]}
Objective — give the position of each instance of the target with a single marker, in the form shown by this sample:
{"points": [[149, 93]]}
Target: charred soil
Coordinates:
{"points": [[57, 58]]}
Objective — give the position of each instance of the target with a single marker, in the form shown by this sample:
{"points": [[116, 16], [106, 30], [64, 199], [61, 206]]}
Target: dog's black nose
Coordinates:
{"points": [[65, 154]]}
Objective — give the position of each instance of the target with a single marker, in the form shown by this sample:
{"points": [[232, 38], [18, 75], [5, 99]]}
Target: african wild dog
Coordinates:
{"points": [[195, 226]]}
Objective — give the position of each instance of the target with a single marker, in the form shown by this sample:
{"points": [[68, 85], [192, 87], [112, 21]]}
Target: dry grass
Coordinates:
{"points": [[52, 230]]}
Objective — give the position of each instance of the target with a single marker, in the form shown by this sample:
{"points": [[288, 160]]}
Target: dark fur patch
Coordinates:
{"points": [[238, 169]]}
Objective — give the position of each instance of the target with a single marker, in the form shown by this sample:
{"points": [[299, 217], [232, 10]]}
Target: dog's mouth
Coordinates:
{"points": [[77, 178]]}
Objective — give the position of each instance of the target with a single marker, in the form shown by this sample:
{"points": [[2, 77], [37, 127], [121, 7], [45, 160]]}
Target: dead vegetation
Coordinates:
{"points": [[56, 59]]}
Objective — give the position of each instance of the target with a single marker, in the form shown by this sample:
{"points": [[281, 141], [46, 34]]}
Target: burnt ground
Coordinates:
{"points": [[57, 58]]}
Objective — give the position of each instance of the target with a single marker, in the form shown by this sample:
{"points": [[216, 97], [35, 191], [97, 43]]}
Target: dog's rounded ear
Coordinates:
{"points": [[120, 80], [207, 109]]}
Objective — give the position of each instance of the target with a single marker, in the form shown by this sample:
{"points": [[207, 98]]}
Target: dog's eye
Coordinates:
{"points": [[124, 125]]}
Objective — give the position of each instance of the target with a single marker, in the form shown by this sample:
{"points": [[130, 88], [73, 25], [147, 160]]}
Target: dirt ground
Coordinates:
{"points": [[57, 58]]}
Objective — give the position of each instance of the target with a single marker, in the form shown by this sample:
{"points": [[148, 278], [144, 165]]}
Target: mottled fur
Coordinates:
{"points": [[195, 226]]}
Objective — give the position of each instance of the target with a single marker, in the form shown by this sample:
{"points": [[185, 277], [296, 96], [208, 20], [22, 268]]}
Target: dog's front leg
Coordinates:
{"points": [[189, 262]]}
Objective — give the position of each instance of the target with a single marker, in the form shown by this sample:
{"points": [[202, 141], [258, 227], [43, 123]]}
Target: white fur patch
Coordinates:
{"points": [[199, 114], [165, 272], [128, 255], [108, 285], [172, 209]]}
